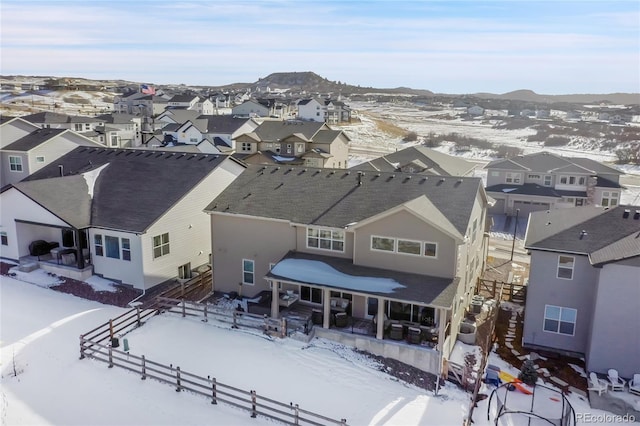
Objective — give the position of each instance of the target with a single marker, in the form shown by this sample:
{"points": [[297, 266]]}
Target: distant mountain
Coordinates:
{"points": [[531, 96]]}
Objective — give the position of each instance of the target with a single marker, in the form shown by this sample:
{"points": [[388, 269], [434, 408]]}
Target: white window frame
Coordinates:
{"points": [[397, 244], [547, 180], [113, 141], [332, 239], [110, 239], [612, 199], [245, 146], [559, 320], [380, 237], [125, 248], [312, 290], [247, 271], [395, 250], [15, 164], [98, 245], [424, 243], [513, 178], [40, 159], [4, 239], [570, 268], [161, 245], [78, 127]]}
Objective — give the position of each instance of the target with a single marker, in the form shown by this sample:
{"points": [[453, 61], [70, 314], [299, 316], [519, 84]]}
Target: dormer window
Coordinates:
{"points": [[513, 178]]}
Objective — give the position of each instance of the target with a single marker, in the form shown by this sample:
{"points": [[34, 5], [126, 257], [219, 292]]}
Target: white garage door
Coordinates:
{"points": [[527, 207]]}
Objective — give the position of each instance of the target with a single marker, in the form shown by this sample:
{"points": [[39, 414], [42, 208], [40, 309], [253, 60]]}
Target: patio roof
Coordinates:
{"points": [[343, 275]]}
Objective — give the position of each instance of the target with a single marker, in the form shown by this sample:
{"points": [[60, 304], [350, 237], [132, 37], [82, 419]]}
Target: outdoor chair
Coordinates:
{"points": [[634, 384], [615, 382], [396, 332], [596, 384], [342, 319], [414, 335]]}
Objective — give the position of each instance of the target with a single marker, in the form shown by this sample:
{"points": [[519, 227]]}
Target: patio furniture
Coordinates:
{"points": [[317, 317], [396, 332], [341, 319], [615, 382], [41, 247], [414, 335], [492, 375], [634, 384], [287, 299], [596, 384]]}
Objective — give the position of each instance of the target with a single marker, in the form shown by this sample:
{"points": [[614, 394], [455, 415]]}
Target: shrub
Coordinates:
{"points": [[528, 373], [556, 141], [508, 151], [410, 137]]}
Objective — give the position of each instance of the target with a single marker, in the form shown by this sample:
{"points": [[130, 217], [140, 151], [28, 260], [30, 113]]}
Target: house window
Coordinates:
{"points": [[3, 239], [609, 199], [564, 179], [87, 126], [325, 239], [77, 127], [160, 245], [288, 148], [430, 249], [382, 243], [245, 146], [409, 247], [126, 249], [193, 140], [15, 163], [533, 176], [495, 174], [97, 242], [114, 140], [40, 159], [300, 148], [582, 180], [248, 274], [572, 180], [112, 245], [547, 180], [513, 177], [565, 267], [560, 320], [310, 294]]}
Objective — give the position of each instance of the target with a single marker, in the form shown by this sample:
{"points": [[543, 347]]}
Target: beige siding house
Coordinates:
{"points": [[404, 247]]}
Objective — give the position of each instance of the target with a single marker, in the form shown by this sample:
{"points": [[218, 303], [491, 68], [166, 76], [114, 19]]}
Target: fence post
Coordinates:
{"points": [[343, 422], [138, 314], [510, 292], [110, 357], [283, 328], [213, 390], [493, 290], [111, 330], [205, 313], [183, 309], [254, 414], [266, 324], [178, 387], [296, 419], [144, 369], [81, 346]]}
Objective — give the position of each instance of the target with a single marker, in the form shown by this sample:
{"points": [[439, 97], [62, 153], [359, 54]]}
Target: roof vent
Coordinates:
{"points": [[636, 215], [360, 174], [626, 213], [583, 234], [442, 179]]}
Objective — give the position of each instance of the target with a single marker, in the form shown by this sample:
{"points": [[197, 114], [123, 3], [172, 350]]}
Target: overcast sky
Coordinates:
{"points": [[550, 47]]}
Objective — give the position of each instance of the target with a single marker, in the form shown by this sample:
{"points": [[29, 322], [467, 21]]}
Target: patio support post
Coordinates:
{"points": [[441, 327], [326, 301], [79, 255], [275, 296], [380, 320]]}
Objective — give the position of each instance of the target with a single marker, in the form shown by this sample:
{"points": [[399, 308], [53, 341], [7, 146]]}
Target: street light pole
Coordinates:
{"points": [[515, 230]]}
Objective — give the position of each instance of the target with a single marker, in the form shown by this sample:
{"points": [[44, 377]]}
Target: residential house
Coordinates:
{"points": [[54, 120], [422, 160], [135, 216], [184, 101], [23, 154], [475, 111], [544, 181], [583, 295], [407, 246], [129, 126], [140, 104], [252, 108], [326, 111], [296, 142]]}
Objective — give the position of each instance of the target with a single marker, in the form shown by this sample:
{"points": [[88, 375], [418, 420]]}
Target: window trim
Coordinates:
{"points": [[98, 244], [40, 159], [110, 251], [125, 249], [161, 245], [246, 271], [513, 177], [15, 167], [397, 244], [572, 268], [330, 239], [559, 320], [547, 180], [4, 238], [396, 241]]}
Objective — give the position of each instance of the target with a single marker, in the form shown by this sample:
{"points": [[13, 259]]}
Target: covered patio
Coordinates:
{"points": [[337, 295]]}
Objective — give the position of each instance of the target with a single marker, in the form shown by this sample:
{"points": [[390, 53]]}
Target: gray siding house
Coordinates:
{"points": [[583, 295], [545, 181], [405, 246]]}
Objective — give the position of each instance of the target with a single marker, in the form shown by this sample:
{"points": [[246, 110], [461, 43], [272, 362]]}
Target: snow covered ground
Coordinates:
{"points": [[39, 341]]}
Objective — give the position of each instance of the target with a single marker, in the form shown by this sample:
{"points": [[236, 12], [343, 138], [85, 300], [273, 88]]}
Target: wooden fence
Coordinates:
{"points": [[501, 290], [100, 344]]}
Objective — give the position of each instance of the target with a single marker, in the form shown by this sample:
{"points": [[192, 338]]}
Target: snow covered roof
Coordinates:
{"points": [[343, 274]]}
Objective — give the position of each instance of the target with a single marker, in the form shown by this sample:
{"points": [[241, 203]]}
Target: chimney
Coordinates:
{"points": [[61, 168]]}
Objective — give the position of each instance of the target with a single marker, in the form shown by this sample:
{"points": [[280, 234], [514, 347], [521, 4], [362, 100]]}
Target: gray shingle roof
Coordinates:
{"points": [[56, 118], [133, 190], [33, 139], [226, 124], [435, 162], [545, 162], [527, 189], [333, 197], [425, 289], [182, 98], [609, 234], [272, 131]]}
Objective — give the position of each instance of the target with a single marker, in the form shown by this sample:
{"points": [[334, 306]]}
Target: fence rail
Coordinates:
{"points": [[502, 290], [99, 344]]}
